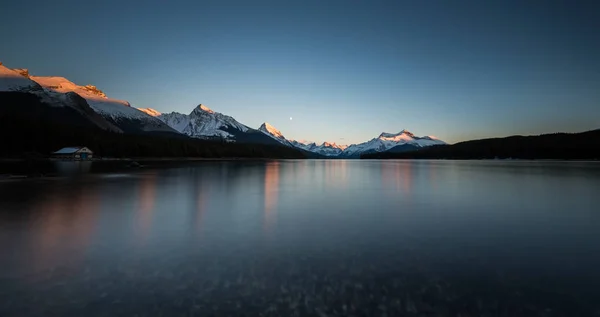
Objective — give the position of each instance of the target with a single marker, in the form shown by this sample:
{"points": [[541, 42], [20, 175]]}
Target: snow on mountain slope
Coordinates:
{"points": [[334, 145], [118, 111], [328, 149], [271, 131], [11, 80], [97, 99], [203, 122], [175, 120], [207, 122], [305, 145], [150, 111], [407, 137], [18, 80], [304, 142], [386, 141]]}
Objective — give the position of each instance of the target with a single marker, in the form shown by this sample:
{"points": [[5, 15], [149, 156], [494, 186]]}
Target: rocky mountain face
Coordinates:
{"points": [[204, 123]]}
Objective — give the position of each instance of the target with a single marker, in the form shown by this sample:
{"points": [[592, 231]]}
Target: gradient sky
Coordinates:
{"points": [[344, 70]]}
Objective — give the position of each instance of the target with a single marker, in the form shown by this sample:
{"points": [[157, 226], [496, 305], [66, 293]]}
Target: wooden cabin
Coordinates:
{"points": [[73, 153]]}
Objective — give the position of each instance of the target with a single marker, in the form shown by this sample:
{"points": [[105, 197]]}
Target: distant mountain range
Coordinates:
{"points": [[46, 113], [119, 116], [325, 149], [57, 102], [203, 122], [395, 142], [558, 146]]}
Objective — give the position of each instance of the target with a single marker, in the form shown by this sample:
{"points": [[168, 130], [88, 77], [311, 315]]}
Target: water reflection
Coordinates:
{"points": [[336, 173], [398, 176], [271, 190], [370, 235], [201, 195], [145, 208], [433, 175], [71, 168], [65, 226]]}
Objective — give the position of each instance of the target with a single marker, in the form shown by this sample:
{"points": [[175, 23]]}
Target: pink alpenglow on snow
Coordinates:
{"points": [[271, 129], [11, 80], [150, 112]]}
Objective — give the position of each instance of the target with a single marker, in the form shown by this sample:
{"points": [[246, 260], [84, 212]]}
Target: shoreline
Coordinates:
{"points": [[212, 159], [40, 168], [145, 159]]}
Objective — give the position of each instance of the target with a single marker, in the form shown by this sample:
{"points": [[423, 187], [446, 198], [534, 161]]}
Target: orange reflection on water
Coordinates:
{"points": [[432, 176], [336, 173], [404, 173], [387, 176], [397, 175], [66, 222], [143, 214], [201, 203], [271, 194]]}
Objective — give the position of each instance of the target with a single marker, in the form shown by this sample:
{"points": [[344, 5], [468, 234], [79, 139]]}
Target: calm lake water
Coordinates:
{"points": [[305, 238]]}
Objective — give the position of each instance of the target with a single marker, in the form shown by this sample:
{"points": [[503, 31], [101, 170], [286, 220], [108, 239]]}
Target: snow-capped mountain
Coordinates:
{"points": [[202, 122], [18, 81], [120, 112], [119, 116], [271, 131], [305, 145], [331, 149], [205, 123], [386, 141], [12, 80], [335, 145], [326, 149], [150, 111], [58, 91], [403, 140]]}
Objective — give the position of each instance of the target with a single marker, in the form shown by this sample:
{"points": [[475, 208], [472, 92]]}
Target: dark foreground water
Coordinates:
{"points": [[305, 238]]}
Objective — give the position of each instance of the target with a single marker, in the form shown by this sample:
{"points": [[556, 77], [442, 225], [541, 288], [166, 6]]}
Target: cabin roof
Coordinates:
{"points": [[69, 150]]}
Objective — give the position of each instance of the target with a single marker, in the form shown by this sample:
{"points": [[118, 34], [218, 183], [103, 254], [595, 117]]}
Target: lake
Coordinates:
{"points": [[305, 238]]}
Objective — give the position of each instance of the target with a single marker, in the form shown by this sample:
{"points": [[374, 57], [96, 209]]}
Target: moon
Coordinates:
{"points": [[290, 118]]}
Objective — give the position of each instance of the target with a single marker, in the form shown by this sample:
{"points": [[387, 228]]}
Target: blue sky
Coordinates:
{"points": [[344, 70]]}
